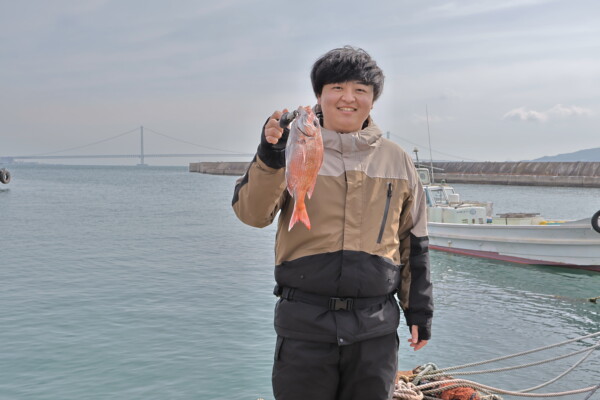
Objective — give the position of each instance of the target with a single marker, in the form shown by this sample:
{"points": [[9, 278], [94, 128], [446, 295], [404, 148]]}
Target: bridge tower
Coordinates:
{"points": [[141, 164]]}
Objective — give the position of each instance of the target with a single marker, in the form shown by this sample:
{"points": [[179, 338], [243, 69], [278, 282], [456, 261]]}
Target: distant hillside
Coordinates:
{"points": [[581, 155]]}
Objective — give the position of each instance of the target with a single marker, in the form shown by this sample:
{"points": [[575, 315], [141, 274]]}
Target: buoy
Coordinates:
{"points": [[4, 176], [595, 221]]}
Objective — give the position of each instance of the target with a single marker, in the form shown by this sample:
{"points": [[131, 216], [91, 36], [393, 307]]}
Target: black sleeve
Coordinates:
{"points": [[420, 310], [273, 155]]}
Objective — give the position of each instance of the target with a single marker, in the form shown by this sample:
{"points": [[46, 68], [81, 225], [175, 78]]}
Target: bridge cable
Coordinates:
{"points": [[435, 151], [190, 143], [86, 145]]}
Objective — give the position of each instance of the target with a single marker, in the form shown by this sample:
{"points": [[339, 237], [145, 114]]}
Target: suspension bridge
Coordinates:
{"points": [[59, 154], [141, 155]]}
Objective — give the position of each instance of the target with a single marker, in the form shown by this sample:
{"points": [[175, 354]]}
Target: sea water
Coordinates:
{"points": [[140, 283]]}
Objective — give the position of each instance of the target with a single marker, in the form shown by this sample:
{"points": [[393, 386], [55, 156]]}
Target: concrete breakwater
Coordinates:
{"points": [[530, 173], [572, 174], [220, 167]]}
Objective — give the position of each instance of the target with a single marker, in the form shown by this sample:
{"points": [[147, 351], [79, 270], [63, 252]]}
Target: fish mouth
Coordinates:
{"points": [[304, 133]]}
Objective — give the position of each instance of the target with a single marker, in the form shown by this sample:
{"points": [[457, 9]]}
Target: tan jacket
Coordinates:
{"points": [[368, 237]]}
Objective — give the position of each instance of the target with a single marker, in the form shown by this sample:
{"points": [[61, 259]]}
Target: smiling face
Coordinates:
{"points": [[345, 105]]}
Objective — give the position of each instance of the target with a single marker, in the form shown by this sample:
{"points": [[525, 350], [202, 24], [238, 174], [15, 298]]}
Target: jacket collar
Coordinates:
{"points": [[365, 139]]}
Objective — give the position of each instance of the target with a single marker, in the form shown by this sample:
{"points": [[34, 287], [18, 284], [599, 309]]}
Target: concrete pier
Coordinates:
{"points": [[526, 173], [220, 167], [571, 174]]}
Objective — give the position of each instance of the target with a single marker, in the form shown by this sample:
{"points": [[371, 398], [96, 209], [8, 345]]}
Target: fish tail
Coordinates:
{"points": [[299, 214]]}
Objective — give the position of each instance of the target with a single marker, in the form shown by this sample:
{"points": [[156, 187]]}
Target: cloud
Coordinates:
{"points": [[557, 112], [521, 114], [564, 112]]}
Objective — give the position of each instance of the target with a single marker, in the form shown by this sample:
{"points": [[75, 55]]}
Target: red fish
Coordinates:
{"points": [[303, 158]]}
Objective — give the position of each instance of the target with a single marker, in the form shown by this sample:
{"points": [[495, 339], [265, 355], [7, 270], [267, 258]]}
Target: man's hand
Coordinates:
{"points": [[273, 131], [414, 341]]}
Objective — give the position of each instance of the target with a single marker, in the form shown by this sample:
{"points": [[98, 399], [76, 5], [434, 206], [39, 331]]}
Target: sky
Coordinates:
{"points": [[481, 80]]}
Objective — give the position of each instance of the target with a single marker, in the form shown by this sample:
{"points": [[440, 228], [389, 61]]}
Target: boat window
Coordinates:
{"points": [[424, 176], [439, 197]]}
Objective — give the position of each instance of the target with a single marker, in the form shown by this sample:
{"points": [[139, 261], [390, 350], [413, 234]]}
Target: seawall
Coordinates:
{"points": [[220, 167], [572, 174], [529, 173]]}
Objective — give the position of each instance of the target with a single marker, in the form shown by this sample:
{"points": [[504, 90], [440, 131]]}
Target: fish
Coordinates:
{"points": [[303, 160]]}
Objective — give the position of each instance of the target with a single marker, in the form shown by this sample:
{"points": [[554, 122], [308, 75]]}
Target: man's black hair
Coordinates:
{"points": [[346, 64]]}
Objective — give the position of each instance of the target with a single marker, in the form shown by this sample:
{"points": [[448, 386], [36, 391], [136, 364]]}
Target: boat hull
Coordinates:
{"points": [[573, 244]]}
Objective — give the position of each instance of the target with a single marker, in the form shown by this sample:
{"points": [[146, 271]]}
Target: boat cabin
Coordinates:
{"points": [[444, 205]]}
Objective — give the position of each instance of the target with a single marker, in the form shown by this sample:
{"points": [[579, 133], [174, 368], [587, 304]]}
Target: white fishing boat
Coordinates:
{"points": [[469, 228]]}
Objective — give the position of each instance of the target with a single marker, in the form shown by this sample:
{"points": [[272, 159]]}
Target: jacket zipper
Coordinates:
{"points": [[385, 213]]}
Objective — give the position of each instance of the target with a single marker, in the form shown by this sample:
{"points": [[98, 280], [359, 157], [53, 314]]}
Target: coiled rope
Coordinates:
{"points": [[437, 380], [407, 391]]}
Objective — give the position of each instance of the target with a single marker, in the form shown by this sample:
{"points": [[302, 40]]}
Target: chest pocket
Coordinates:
{"points": [[386, 215], [386, 211]]}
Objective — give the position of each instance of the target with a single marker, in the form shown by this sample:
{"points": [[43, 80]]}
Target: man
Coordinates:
{"points": [[336, 318]]}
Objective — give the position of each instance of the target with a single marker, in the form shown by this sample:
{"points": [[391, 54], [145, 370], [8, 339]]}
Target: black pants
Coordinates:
{"points": [[325, 371]]}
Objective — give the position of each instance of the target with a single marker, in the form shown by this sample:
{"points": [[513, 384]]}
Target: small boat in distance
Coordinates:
{"points": [[469, 228]]}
